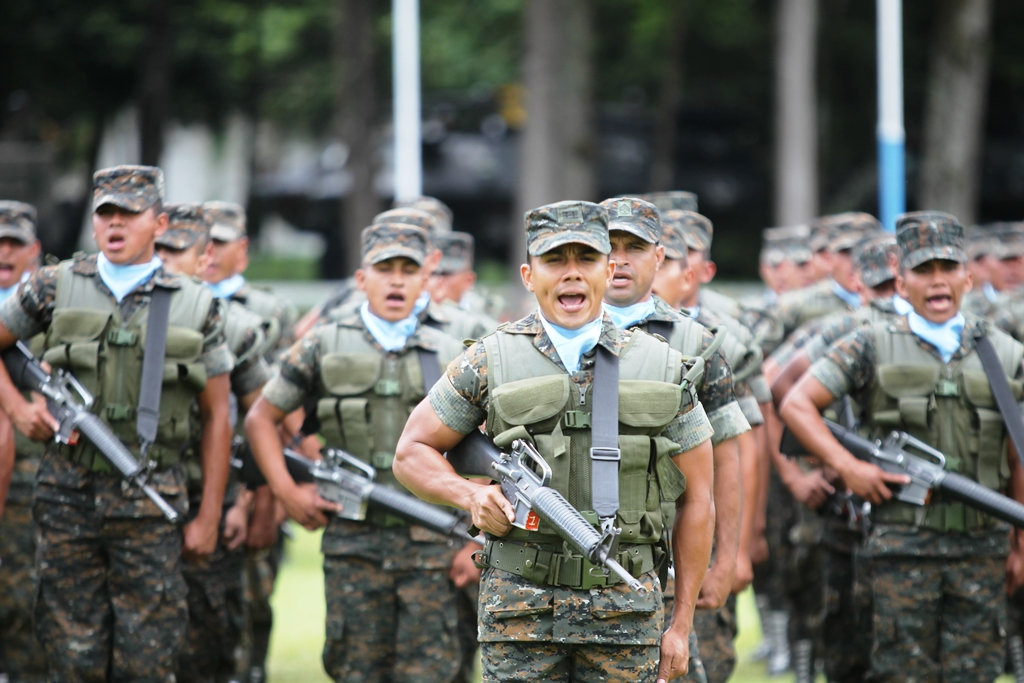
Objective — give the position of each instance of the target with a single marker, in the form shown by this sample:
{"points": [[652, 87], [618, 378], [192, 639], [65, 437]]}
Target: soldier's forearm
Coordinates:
{"points": [[749, 474], [261, 432], [693, 531], [7, 452], [728, 503], [216, 453]]}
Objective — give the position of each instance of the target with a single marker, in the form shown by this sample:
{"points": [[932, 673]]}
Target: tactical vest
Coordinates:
{"points": [[89, 337], [367, 395], [268, 306], [948, 406], [531, 397], [818, 302]]}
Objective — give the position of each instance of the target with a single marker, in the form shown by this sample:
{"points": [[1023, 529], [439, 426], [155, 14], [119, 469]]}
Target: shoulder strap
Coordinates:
{"points": [[604, 451], [430, 367], [148, 415], [662, 328], [1002, 393]]}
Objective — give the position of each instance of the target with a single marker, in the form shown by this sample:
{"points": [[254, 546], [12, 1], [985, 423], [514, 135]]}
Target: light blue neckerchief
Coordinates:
{"points": [[770, 297], [945, 336], [852, 299], [625, 317], [572, 344], [422, 301], [227, 287], [8, 292], [901, 305], [694, 312], [391, 335], [990, 292], [121, 280]]}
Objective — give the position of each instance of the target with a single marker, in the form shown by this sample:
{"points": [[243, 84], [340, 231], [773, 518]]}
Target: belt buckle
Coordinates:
{"points": [[602, 453]]}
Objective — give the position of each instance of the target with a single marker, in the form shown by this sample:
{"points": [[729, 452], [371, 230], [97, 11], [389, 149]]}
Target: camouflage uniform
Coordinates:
{"points": [[533, 630], [938, 611], [391, 609]]}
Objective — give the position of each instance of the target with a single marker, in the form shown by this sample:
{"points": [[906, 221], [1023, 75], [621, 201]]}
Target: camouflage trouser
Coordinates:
{"points": [[259, 574], [716, 632], [770, 575], [551, 662], [937, 619], [216, 616], [468, 598], [846, 631], [695, 673], [389, 626], [21, 655], [111, 598]]}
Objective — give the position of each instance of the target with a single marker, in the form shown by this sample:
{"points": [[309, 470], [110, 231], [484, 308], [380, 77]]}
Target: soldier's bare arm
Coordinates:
{"points": [[749, 475], [717, 584], [788, 376], [6, 459], [422, 469], [201, 533], [691, 546], [1015, 561], [30, 417]]}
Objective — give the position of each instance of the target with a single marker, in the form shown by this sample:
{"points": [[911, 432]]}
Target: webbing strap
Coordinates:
{"points": [[661, 328], [1003, 394], [430, 367], [604, 450], [148, 415]]}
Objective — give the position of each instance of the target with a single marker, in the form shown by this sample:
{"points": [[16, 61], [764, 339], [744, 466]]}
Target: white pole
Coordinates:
{"points": [[405, 48], [891, 135]]}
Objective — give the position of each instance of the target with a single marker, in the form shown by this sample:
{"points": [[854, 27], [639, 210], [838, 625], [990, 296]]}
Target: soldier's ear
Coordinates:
{"points": [[527, 275]]}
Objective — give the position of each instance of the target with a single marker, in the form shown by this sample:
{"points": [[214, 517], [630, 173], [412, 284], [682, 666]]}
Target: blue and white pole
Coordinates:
{"points": [[892, 182], [405, 51]]}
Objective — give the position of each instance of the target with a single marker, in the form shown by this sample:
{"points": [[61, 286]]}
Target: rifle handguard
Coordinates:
{"points": [[964, 490], [415, 511]]}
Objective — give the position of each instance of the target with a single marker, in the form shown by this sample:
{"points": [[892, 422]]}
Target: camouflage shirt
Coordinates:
{"points": [[265, 303], [745, 398], [800, 306], [716, 391], [30, 311], [461, 398], [251, 370]]}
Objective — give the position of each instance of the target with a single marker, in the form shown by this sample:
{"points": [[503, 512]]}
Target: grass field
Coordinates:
{"points": [[299, 622]]}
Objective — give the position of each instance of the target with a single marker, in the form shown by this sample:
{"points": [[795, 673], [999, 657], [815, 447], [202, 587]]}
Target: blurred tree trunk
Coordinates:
{"points": [[557, 149], [354, 108], [796, 119], [155, 82], [954, 120], [662, 168]]}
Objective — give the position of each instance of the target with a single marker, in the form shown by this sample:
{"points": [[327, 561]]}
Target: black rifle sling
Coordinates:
{"points": [[662, 328], [1003, 394], [148, 414], [604, 446], [430, 367]]}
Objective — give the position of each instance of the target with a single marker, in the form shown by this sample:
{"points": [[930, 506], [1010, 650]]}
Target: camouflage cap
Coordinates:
{"points": [[673, 233], [435, 207], [185, 225], [225, 220], [980, 241], [391, 240], [18, 221], [132, 188], [771, 256], [675, 199], [871, 257], [1007, 240], [927, 235], [456, 252], [697, 230], [849, 228], [634, 216], [552, 225], [791, 241], [408, 215]]}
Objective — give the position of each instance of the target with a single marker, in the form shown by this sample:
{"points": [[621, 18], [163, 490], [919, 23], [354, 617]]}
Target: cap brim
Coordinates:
{"points": [[694, 242], [919, 256], [16, 233], [391, 252], [545, 244], [122, 201], [633, 229], [674, 253], [225, 233], [872, 277], [177, 239]]}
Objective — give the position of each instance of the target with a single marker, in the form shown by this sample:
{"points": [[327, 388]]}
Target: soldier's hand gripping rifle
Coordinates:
{"points": [[901, 453], [533, 500], [69, 403], [344, 479]]}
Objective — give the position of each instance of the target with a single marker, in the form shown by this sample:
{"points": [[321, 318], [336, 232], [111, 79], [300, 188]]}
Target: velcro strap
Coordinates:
{"points": [[387, 387], [382, 460], [576, 419], [119, 337]]}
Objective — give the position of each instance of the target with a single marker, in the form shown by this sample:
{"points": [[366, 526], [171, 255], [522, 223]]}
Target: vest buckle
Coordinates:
{"points": [[387, 387], [947, 387], [121, 337], [118, 413], [576, 419]]}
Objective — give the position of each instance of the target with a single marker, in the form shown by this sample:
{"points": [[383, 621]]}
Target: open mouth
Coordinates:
{"points": [[939, 302], [395, 299], [571, 302], [621, 280], [115, 242], [6, 270]]}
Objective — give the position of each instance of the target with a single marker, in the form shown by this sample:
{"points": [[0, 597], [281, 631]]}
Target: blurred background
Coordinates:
{"points": [[765, 108]]}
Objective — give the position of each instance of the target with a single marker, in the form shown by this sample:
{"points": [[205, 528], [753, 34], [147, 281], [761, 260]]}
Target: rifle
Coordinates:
{"points": [[533, 500], [69, 402], [344, 479], [901, 453]]}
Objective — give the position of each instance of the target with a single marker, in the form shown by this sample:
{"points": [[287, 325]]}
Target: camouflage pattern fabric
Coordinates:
{"points": [[388, 624], [21, 655], [466, 607], [216, 613], [871, 257], [695, 673], [280, 314], [716, 632], [258, 578], [185, 225], [800, 306], [937, 619], [435, 207], [411, 216], [18, 220], [225, 221], [132, 188], [383, 241], [678, 200], [697, 230], [518, 662], [111, 597], [552, 225], [456, 252], [673, 235], [634, 216], [926, 235], [846, 629]]}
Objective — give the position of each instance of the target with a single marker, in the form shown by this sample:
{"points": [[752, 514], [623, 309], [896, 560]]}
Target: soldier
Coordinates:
{"points": [[1003, 262], [554, 618], [224, 276], [634, 233], [21, 655], [937, 572], [452, 282], [391, 609], [216, 601], [111, 597], [441, 212]]}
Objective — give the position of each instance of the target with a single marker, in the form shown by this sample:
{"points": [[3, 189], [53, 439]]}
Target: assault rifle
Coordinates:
{"points": [[901, 453], [344, 479], [533, 500], [69, 402]]}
